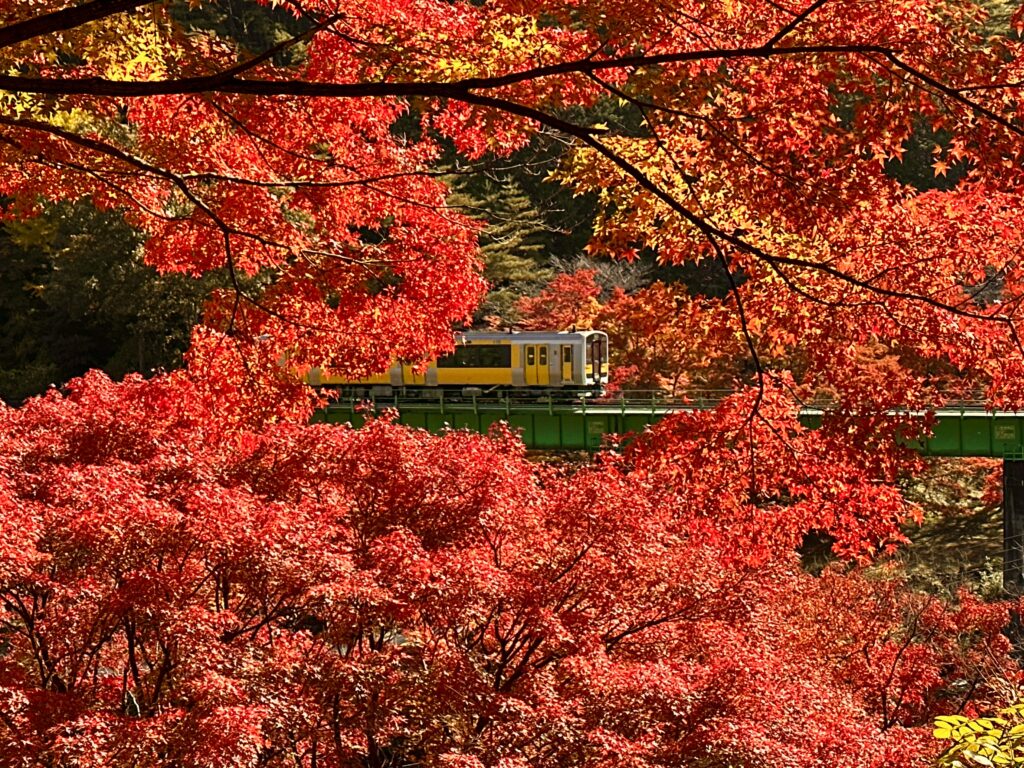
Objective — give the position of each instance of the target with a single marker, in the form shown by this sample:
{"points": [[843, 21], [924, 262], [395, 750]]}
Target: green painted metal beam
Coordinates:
{"points": [[974, 431], [547, 424]]}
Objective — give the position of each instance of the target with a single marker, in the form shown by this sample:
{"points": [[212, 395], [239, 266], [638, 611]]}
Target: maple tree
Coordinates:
{"points": [[569, 300], [175, 591]]}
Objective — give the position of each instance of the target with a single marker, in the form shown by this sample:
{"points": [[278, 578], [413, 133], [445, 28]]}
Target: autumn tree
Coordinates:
{"points": [[570, 300], [175, 592], [662, 338]]}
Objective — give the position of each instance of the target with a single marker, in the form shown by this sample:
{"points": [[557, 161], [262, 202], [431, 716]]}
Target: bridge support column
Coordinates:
{"points": [[1013, 526]]}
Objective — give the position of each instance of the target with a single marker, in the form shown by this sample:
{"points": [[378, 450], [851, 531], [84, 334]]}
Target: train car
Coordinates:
{"points": [[529, 361]]}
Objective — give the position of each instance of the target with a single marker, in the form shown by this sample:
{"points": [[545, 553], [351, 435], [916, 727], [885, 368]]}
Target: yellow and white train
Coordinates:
{"points": [[534, 361]]}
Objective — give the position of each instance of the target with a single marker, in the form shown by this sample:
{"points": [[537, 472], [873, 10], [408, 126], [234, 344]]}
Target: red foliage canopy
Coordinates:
{"points": [[175, 593]]}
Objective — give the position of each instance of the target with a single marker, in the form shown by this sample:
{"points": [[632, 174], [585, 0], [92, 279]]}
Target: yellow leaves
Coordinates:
{"points": [[506, 43], [130, 47], [125, 46], [984, 741], [75, 119], [957, 726], [515, 40], [453, 69], [18, 104]]}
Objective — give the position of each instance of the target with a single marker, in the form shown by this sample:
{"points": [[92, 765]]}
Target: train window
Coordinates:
{"points": [[543, 353], [482, 356], [530, 358]]}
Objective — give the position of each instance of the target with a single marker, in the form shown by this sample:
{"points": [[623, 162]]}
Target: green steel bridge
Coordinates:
{"points": [[548, 423]]}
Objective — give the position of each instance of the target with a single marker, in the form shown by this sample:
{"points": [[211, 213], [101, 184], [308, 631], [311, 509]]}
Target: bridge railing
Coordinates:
{"points": [[630, 399], [659, 400]]}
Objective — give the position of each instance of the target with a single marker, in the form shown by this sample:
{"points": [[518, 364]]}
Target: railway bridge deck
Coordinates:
{"points": [[550, 423]]}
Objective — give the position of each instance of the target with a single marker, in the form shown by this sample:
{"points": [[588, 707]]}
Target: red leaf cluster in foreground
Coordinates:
{"points": [[176, 593]]}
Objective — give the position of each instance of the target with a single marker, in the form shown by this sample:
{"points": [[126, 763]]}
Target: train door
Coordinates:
{"points": [[530, 365], [535, 368], [567, 364]]}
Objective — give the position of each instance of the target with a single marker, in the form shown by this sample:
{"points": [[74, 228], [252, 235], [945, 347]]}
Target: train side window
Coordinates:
{"points": [[543, 353], [530, 358], [566, 354], [481, 356]]}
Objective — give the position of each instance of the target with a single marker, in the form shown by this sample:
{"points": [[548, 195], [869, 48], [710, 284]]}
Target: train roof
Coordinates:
{"points": [[552, 336]]}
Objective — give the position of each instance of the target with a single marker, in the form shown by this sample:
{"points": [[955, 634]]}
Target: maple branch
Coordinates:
{"points": [[951, 92], [259, 138], [11, 725], [225, 82], [102, 178], [65, 19], [799, 19], [226, 229], [830, 303], [274, 50], [744, 326], [310, 184], [643, 105], [1012, 84], [612, 640], [867, 285], [908, 640], [1015, 336], [369, 182], [733, 288], [97, 146]]}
